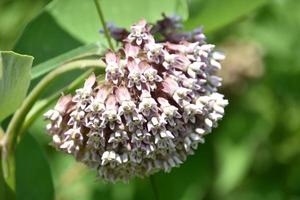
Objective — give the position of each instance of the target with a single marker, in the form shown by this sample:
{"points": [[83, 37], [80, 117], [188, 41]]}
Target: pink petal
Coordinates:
{"points": [[175, 47], [123, 94], [131, 64], [163, 102], [142, 23], [143, 66], [169, 85], [63, 103], [111, 103], [131, 50], [181, 62], [190, 47], [150, 39], [110, 57], [90, 81], [102, 94]]}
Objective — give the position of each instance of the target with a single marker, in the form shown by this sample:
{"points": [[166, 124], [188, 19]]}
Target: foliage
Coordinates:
{"points": [[254, 153], [14, 81]]}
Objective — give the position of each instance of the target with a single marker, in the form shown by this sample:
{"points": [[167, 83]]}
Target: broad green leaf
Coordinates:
{"points": [[215, 14], [85, 26], [235, 161], [65, 25], [14, 81], [239, 140], [33, 175], [45, 39], [182, 9], [45, 67], [14, 15]]}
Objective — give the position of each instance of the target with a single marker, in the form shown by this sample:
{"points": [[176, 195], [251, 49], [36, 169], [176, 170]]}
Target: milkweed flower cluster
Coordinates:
{"points": [[157, 103]]}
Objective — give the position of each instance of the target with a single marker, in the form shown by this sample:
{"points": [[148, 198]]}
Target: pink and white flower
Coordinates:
{"points": [[158, 101]]}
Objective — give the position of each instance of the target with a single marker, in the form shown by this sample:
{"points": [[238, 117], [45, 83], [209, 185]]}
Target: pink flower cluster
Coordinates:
{"points": [[156, 105]]}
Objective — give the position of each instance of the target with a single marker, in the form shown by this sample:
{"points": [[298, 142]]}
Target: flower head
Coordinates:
{"points": [[157, 103]]}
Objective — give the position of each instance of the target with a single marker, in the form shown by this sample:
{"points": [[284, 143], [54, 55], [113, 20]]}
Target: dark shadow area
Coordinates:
{"points": [[43, 38], [32, 168]]}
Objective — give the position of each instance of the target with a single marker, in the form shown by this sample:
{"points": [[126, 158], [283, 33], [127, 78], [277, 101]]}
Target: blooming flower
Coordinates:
{"points": [[113, 69], [135, 77], [157, 103], [140, 33]]}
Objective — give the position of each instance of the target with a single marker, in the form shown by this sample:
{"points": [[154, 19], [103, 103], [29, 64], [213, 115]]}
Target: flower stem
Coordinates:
{"points": [[10, 138], [45, 103], [154, 187], [106, 32], [1, 133]]}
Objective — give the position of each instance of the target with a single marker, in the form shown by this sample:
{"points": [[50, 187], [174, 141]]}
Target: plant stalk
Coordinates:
{"points": [[106, 32], [41, 108], [10, 138]]}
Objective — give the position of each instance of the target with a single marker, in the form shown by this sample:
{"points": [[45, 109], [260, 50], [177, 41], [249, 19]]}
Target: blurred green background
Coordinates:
{"points": [[254, 153]]}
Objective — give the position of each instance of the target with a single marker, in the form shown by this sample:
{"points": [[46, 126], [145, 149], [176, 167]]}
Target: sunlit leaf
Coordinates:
{"points": [[86, 50], [14, 81], [85, 26], [215, 14], [81, 182], [65, 25], [14, 15]]}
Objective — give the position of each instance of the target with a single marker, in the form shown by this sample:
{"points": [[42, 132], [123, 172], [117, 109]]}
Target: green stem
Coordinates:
{"points": [[1, 133], [154, 187], [5, 191], [45, 103], [106, 32], [9, 141], [35, 113]]}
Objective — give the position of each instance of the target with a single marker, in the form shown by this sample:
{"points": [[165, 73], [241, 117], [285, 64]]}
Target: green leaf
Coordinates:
{"points": [[182, 9], [14, 81], [65, 25], [86, 50], [189, 181], [14, 15], [73, 180], [85, 26], [60, 29], [33, 175], [238, 141], [45, 39], [5, 190], [215, 14]]}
